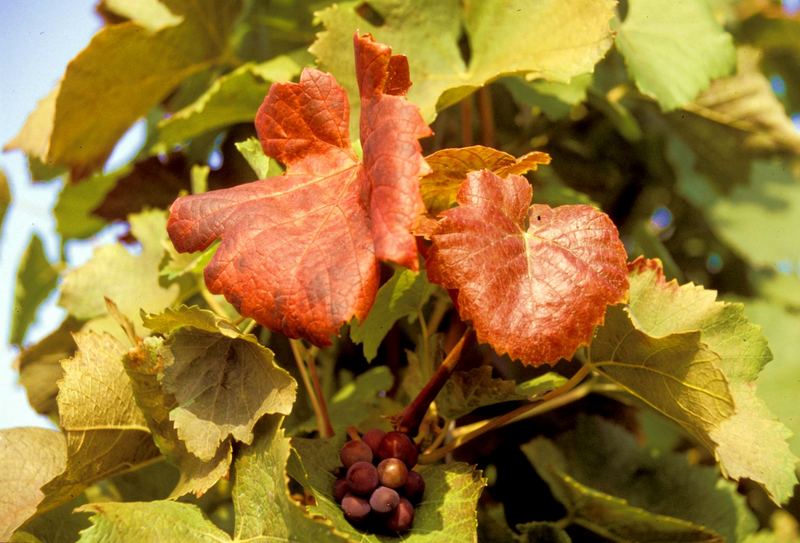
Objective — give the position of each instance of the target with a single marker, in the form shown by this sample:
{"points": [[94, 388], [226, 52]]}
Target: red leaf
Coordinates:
{"points": [[300, 252], [534, 281]]}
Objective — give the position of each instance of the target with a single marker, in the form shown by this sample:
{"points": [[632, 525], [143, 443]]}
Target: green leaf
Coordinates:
{"points": [[144, 365], [59, 525], [615, 488], [553, 98], [401, 296], [149, 522], [264, 509], [76, 201], [749, 443], [29, 458], [747, 217], [675, 374], [466, 391], [153, 15], [233, 98], [253, 153], [542, 532], [5, 196], [106, 432], [428, 33], [39, 366], [447, 513], [36, 278], [131, 281], [653, 39], [361, 403], [222, 387], [740, 112], [778, 381], [77, 126]]}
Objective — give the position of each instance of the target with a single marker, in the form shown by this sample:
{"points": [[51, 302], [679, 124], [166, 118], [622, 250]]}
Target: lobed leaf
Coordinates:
{"points": [[76, 126], [429, 33], [29, 458], [750, 442], [653, 39], [299, 253], [106, 432], [401, 296], [449, 169], [548, 273]]}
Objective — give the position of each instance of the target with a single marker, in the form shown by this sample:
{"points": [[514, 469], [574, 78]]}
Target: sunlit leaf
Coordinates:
{"points": [[547, 273], [299, 253]]}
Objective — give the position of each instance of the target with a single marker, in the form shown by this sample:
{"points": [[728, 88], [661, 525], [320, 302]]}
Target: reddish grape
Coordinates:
{"points": [[340, 488], [401, 517], [355, 508], [392, 473], [384, 499], [355, 451], [414, 487], [373, 439], [362, 478], [399, 445]]}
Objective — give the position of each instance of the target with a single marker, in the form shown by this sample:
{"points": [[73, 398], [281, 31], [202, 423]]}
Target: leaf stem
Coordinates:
{"points": [[411, 417], [487, 116], [210, 300], [323, 405], [323, 422], [558, 397]]}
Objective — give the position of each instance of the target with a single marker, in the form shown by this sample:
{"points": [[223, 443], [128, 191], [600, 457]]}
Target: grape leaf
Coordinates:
{"points": [[264, 510], [653, 39], [222, 386], [77, 126], [451, 166], [29, 458], [748, 216], [229, 100], [299, 253], [466, 391], [145, 366], [251, 150], [73, 209], [36, 278], [59, 525], [401, 296], [542, 532], [105, 430], [132, 281], [547, 273], [429, 33], [675, 374], [616, 487], [446, 515], [553, 98], [739, 112], [153, 15], [39, 366], [751, 442]]}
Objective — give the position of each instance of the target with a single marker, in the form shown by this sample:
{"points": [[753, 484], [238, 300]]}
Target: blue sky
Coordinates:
{"points": [[38, 38]]}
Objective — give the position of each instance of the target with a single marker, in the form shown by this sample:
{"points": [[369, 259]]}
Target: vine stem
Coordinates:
{"points": [[411, 417], [314, 393], [558, 397]]}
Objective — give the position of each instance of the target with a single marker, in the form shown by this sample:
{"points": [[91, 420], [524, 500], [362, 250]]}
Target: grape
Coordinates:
{"points": [[355, 451], [414, 487], [355, 508], [401, 518], [362, 478], [373, 439], [392, 473], [340, 488], [399, 445], [384, 499]]}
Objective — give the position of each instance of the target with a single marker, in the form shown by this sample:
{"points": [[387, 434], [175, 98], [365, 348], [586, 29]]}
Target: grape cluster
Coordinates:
{"points": [[376, 486]]}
